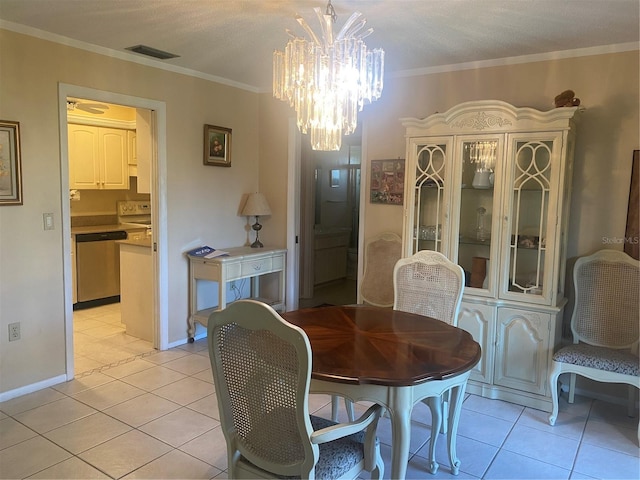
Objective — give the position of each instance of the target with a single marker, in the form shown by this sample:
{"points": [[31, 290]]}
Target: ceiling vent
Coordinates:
{"points": [[151, 52]]}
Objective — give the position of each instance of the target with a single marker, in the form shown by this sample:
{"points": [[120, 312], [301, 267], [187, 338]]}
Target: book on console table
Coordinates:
{"points": [[206, 252]]}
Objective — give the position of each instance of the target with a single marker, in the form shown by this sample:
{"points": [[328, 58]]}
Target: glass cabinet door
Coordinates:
{"points": [[530, 198], [430, 202], [479, 158]]}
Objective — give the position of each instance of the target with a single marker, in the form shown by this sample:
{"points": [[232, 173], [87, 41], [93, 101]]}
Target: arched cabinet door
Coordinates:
{"points": [[479, 321], [522, 349]]}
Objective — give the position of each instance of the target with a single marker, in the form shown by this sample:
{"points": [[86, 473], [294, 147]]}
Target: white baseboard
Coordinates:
{"points": [[34, 387], [186, 340]]}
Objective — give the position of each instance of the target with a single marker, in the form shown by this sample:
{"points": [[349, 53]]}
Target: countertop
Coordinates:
{"points": [[105, 228], [142, 242]]}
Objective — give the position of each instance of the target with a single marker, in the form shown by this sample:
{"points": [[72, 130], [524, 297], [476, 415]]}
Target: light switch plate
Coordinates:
{"points": [[47, 219]]}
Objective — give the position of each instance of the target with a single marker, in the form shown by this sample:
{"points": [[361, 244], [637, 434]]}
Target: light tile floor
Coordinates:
{"points": [[100, 340], [157, 417]]}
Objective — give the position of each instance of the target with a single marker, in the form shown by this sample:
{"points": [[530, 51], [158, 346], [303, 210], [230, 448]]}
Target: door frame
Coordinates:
{"points": [[294, 213], [158, 208]]}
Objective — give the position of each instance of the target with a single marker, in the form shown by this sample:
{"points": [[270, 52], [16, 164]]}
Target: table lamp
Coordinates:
{"points": [[256, 205]]}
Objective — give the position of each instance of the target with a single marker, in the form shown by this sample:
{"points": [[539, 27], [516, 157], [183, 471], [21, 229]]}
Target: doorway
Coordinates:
{"points": [[110, 203], [329, 225], [157, 174]]}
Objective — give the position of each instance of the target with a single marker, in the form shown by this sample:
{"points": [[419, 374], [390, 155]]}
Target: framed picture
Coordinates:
{"points": [[387, 182], [217, 146], [10, 164]]}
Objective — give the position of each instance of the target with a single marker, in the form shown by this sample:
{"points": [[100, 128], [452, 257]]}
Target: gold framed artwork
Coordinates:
{"points": [[387, 182], [10, 164], [217, 146]]}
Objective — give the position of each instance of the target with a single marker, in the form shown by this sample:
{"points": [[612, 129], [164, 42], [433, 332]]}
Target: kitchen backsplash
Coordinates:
{"points": [[91, 220], [103, 202]]}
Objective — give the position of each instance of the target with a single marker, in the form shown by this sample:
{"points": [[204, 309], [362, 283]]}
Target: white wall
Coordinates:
{"points": [[202, 201]]}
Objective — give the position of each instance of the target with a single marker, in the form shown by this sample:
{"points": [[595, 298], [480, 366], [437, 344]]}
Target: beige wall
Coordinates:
{"points": [[607, 134], [202, 200]]}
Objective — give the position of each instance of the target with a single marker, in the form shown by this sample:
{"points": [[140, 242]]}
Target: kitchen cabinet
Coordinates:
{"points": [[98, 158], [145, 148], [136, 281], [488, 185], [132, 153]]}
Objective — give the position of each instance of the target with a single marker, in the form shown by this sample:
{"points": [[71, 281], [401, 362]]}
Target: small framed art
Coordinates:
{"points": [[387, 182], [10, 164], [217, 146]]}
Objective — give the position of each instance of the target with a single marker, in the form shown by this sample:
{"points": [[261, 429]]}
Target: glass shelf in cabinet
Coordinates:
{"points": [[464, 186], [474, 241]]}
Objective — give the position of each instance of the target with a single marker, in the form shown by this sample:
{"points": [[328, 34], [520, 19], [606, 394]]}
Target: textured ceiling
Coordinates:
{"points": [[234, 39]]}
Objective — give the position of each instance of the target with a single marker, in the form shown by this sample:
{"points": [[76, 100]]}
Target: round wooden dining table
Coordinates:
{"points": [[392, 358]]}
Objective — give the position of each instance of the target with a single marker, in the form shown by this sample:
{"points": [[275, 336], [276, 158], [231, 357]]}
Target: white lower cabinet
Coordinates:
{"points": [[479, 321], [522, 347], [517, 345]]}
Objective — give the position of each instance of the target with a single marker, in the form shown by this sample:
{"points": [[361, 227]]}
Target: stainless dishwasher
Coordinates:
{"points": [[98, 265]]}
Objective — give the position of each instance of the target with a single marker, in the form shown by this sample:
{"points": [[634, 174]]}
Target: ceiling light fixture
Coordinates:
{"points": [[327, 79]]}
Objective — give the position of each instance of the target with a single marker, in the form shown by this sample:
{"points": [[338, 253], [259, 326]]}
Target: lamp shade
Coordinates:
{"points": [[256, 205]]}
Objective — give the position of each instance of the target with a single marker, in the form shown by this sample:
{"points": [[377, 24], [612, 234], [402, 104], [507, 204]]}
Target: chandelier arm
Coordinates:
{"points": [[353, 31], [365, 34], [326, 24], [343, 32], [307, 29]]}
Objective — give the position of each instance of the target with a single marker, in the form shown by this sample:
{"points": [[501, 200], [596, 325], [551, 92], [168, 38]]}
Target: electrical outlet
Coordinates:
{"points": [[14, 331]]}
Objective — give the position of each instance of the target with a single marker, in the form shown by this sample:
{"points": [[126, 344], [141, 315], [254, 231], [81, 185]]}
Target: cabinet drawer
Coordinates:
{"points": [[256, 266], [278, 262], [206, 271]]}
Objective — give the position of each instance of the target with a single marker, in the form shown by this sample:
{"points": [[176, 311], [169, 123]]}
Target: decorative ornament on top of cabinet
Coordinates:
{"points": [[481, 121], [515, 268]]}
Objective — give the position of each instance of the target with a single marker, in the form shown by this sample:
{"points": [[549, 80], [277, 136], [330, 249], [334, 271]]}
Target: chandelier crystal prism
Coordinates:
{"points": [[328, 78]]}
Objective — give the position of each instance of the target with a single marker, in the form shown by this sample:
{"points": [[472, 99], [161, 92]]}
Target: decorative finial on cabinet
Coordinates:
{"points": [[566, 99]]}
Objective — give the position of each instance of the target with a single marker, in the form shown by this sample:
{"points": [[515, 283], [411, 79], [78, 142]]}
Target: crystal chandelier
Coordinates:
{"points": [[327, 79]]}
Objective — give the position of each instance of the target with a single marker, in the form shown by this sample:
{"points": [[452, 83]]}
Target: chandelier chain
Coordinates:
{"points": [[331, 12]]}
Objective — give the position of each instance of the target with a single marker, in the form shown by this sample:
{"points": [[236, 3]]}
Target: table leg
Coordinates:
{"points": [[400, 407], [457, 396], [435, 405]]}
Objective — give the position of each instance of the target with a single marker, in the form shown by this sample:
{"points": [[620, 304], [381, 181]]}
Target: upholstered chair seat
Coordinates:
{"points": [[602, 358]]}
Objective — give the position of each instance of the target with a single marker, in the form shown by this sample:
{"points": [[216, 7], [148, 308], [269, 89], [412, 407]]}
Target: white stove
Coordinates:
{"points": [[136, 213]]}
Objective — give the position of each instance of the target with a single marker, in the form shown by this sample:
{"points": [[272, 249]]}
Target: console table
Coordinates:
{"points": [[241, 263]]}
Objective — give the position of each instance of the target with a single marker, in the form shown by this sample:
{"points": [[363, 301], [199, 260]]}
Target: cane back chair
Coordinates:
{"points": [[604, 324], [262, 371]]}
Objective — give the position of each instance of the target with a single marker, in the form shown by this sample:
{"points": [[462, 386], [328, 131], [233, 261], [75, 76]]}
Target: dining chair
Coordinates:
{"points": [[262, 371], [604, 325], [381, 253], [429, 284]]}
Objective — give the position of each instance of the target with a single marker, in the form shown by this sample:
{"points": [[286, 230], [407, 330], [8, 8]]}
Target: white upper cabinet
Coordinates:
{"points": [[98, 157]]}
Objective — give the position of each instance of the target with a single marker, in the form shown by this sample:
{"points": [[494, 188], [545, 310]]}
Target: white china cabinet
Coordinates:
{"points": [[488, 185]]}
